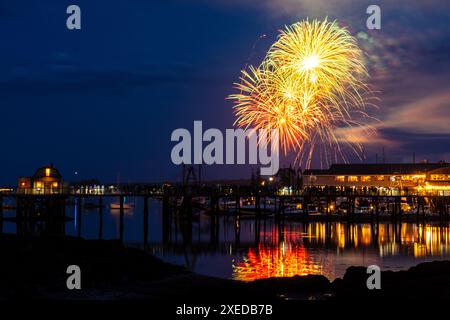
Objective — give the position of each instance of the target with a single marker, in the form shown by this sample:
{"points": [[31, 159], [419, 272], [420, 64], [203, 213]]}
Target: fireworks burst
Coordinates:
{"points": [[310, 84]]}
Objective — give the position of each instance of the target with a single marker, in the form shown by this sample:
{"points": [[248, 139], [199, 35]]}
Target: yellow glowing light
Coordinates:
{"points": [[434, 187], [310, 84], [310, 62], [47, 172]]}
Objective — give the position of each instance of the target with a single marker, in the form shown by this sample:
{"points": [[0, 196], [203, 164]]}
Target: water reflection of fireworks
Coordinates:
{"points": [[287, 258]]}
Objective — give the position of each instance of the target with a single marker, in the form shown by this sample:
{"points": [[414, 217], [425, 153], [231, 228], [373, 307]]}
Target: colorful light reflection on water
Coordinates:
{"points": [[308, 248], [287, 260], [241, 249]]}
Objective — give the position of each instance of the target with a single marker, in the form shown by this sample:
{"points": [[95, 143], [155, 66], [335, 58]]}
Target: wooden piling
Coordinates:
{"points": [[446, 208], [166, 219], [79, 214], [121, 218], [257, 206], [304, 206], [377, 209], [100, 217], [1, 215], [19, 214], [416, 199], [145, 220]]}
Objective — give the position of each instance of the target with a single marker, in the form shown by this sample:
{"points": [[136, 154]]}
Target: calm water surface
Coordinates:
{"points": [[242, 249]]}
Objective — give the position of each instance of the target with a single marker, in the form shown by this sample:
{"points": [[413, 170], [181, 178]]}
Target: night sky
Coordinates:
{"points": [[102, 101]]}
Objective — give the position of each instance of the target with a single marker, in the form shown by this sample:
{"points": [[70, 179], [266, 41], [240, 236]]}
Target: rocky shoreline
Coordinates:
{"points": [[35, 268]]}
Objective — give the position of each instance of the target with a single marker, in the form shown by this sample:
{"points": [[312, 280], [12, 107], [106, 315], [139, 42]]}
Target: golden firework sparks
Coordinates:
{"points": [[310, 84]]}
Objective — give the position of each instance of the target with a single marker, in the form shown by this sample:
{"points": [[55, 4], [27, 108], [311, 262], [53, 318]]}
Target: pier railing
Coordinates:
{"points": [[221, 191]]}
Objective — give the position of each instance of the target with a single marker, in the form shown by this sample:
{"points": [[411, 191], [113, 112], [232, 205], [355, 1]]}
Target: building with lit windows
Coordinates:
{"points": [[46, 180], [411, 177]]}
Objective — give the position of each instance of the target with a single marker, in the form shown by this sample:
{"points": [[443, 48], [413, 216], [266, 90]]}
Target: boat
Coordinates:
{"points": [[363, 210], [313, 210], [293, 211], [116, 206]]}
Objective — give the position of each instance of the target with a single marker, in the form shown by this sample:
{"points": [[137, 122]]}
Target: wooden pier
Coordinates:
{"points": [[45, 213]]}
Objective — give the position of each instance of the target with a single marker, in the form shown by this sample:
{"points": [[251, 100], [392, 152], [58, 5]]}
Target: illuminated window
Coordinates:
{"points": [[38, 184], [439, 177], [47, 172], [366, 178], [380, 178], [312, 179], [406, 178], [340, 178], [55, 184], [353, 179]]}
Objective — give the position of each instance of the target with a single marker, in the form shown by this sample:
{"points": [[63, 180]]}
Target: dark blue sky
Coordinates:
{"points": [[105, 99]]}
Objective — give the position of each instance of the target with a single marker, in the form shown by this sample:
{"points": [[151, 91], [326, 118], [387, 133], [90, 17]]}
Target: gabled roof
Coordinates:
{"points": [[443, 170], [41, 173]]}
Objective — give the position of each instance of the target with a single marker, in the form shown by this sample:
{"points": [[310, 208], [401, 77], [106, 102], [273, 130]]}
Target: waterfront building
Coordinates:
{"points": [[46, 180], [385, 178]]}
